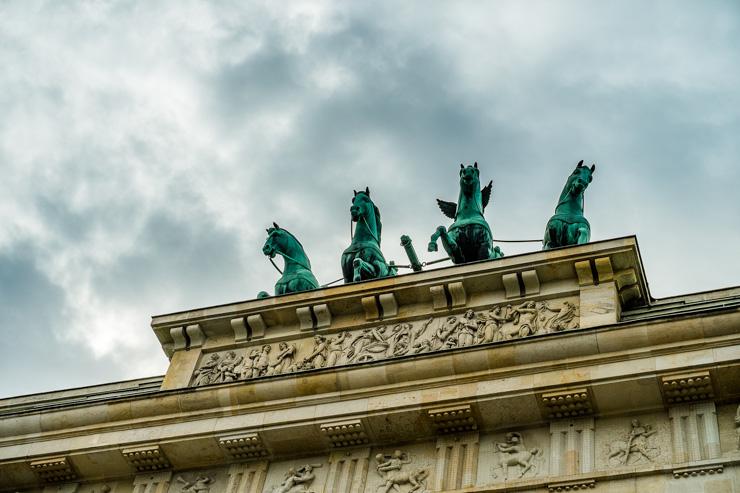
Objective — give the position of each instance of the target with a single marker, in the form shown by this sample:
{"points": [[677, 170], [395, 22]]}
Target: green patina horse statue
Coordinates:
{"points": [[469, 238], [568, 226], [363, 259], [297, 275]]}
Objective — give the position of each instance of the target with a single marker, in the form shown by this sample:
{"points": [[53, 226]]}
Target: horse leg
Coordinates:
{"points": [[432, 247], [551, 236], [362, 270], [525, 467], [583, 234], [451, 247]]}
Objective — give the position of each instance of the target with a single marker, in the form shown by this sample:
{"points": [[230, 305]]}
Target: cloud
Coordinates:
{"points": [[144, 148]]}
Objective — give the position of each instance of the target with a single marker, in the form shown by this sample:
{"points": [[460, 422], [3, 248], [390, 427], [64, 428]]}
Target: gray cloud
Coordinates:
{"points": [[144, 148]]}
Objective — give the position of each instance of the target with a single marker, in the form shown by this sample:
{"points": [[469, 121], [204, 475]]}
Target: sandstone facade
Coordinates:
{"points": [[550, 371]]}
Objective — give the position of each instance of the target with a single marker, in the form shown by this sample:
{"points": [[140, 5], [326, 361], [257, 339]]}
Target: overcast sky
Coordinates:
{"points": [[145, 147]]}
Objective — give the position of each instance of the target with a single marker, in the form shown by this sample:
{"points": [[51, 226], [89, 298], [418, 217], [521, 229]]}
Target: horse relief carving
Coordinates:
{"points": [[513, 454], [297, 480], [394, 473], [635, 448], [201, 484], [500, 323]]}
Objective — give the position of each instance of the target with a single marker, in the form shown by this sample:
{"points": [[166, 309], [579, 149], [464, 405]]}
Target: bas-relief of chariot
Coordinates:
{"points": [[467, 239]]}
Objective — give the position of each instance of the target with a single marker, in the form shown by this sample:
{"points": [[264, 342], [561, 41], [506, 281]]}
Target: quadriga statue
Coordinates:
{"points": [[568, 226], [297, 275], [363, 259], [469, 238]]}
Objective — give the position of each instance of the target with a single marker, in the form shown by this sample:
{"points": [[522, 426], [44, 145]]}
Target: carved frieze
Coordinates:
{"points": [[385, 341], [398, 470], [297, 480], [514, 459], [199, 484], [635, 447]]}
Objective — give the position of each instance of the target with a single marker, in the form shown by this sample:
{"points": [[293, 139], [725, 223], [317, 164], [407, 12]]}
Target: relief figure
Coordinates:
{"points": [[201, 484], [635, 446], [284, 360], [467, 329], [513, 453], [262, 363], [204, 374], [248, 368], [369, 345], [336, 349], [317, 358], [224, 372], [443, 334], [297, 480], [390, 468]]}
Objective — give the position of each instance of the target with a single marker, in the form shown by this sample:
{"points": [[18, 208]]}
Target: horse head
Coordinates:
{"points": [[363, 210], [469, 179], [282, 242], [580, 178], [276, 241]]}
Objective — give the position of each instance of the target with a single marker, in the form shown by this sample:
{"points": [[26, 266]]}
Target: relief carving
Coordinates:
{"points": [[513, 453], [636, 448], [500, 323], [200, 484], [297, 480], [391, 469]]}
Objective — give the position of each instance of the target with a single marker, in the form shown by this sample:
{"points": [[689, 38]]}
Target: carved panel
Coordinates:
{"points": [[634, 446], [385, 341], [401, 470], [297, 476], [514, 455]]}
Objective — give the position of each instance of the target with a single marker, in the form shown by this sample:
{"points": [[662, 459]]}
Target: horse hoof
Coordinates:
{"points": [[432, 247]]}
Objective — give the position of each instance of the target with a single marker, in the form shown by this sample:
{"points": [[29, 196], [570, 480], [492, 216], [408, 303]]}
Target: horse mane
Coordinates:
{"points": [[378, 222], [299, 244]]}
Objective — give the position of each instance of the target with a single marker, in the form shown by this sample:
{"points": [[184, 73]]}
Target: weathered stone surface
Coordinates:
{"points": [[530, 373]]}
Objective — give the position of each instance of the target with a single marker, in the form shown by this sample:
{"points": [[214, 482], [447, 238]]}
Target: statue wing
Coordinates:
{"points": [[449, 209], [486, 194]]}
